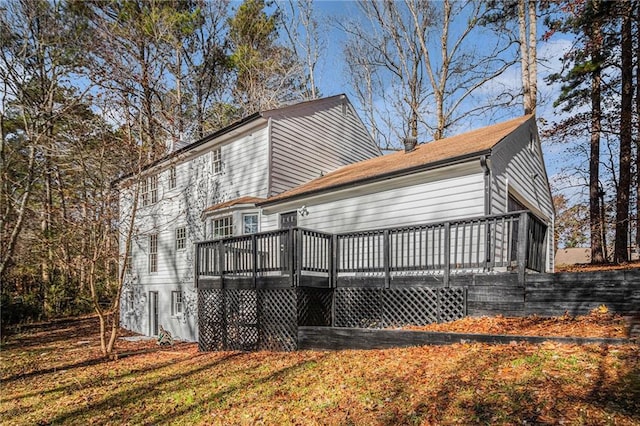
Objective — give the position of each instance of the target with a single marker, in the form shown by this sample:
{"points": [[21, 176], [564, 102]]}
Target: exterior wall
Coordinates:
{"points": [[244, 173], [517, 167], [443, 194], [315, 138]]}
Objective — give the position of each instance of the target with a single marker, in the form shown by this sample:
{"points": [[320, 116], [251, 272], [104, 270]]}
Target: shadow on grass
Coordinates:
{"points": [[151, 388], [241, 387], [61, 330], [476, 396], [621, 396]]}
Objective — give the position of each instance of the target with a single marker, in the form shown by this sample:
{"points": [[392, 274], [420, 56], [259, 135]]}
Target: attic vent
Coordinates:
{"points": [[410, 144]]}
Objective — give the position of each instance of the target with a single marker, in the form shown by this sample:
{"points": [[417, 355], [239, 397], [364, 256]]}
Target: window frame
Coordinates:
{"points": [[129, 260], [153, 188], [153, 253], [149, 191], [216, 161], [177, 303], [181, 238], [130, 306], [244, 224], [222, 223], [173, 178]]}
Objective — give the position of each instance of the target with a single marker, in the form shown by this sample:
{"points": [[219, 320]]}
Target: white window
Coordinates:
{"points": [[153, 188], [223, 227], [176, 303], [129, 260], [153, 253], [129, 301], [249, 223], [216, 161], [149, 191], [172, 177], [181, 238]]}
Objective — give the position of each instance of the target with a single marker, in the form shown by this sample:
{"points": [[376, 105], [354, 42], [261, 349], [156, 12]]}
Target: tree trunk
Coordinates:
{"points": [[524, 56], [595, 216], [533, 57], [637, 3], [624, 182]]}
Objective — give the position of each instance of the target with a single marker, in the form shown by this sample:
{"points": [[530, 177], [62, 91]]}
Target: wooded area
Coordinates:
{"points": [[94, 90]]}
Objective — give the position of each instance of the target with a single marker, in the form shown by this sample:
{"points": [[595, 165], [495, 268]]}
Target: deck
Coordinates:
{"points": [[256, 291], [298, 257]]}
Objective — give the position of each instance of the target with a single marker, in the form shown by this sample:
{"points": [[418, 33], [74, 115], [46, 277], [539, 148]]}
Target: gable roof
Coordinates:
{"points": [[427, 155]]}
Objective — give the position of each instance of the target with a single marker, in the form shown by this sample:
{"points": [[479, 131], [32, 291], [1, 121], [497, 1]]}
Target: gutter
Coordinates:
{"points": [[377, 178]]}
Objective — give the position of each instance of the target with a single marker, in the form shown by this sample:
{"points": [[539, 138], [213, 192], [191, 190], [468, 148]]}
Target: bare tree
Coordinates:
{"points": [[430, 71], [305, 31]]}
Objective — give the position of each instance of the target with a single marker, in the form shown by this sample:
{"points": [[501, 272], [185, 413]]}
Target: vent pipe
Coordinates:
{"points": [[410, 144]]}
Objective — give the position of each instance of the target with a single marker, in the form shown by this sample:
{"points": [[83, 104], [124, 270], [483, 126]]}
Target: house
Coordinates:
{"points": [[493, 170], [422, 235], [210, 189]]}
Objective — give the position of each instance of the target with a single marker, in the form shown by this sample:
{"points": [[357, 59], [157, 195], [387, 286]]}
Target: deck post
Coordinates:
{"points": [[386, 258], [254, 259], [332, 260], [336, 260], [290, 256], [196, 265], [523, 233], [447, 253], [298, 234], [221, 261]]}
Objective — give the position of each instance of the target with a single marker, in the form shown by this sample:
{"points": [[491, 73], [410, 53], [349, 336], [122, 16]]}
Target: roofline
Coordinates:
{"points": [[275, 111], [385, 176], [234, 126]]}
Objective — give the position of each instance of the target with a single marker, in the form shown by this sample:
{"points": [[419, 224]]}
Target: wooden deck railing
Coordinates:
{"points": [[510, 242]]}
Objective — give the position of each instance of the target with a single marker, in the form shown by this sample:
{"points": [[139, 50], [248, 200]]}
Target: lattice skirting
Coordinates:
{"points": [[268, 319], [259, 319], [396, 307]]}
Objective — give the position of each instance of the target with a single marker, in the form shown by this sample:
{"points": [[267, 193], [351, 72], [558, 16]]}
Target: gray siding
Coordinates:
{"points": [[444, 194], [518, 167], [316, 138], [516, 160]]}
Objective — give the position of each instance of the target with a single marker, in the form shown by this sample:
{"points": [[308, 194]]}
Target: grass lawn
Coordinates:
{"points": [[52, 374]]}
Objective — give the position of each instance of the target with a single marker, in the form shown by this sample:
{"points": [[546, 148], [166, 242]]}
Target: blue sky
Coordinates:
{"points": [[332, 79]]}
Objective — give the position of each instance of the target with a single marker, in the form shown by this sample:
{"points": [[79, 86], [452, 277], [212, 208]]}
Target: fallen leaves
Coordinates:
{"points": [[599, 323], [45, 379]]}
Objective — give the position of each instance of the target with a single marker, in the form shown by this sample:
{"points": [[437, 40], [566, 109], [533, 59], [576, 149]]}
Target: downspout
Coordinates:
{"points": [[485, 163], [269, 161]]}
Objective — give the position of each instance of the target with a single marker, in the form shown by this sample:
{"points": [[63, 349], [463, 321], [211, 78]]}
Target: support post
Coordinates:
{"points": [[290, 256], [332, 261], [196, 266], [447, 253], [221, 262], [386, 258], [298, 234], [522, 246], [254, 259]]}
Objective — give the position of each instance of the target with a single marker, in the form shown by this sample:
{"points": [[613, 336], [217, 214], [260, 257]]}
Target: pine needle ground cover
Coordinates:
{"points": [[53, 374]]}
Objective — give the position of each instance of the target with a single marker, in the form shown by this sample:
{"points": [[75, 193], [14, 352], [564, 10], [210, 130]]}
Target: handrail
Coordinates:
{"points": [[513, 241]]}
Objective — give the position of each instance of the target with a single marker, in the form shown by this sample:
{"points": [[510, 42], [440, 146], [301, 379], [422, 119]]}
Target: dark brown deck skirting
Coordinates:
{"points": [[334, 338]]}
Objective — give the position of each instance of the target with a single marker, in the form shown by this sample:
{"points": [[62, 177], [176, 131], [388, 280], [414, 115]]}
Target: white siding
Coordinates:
{"points": [[314, 139], [244, 173], [438, 195]]}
